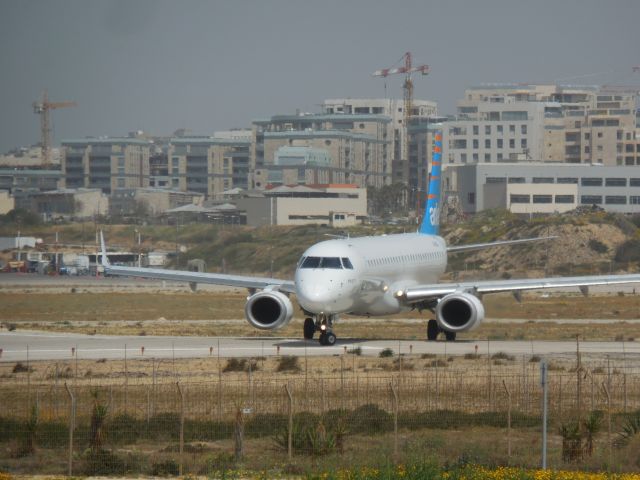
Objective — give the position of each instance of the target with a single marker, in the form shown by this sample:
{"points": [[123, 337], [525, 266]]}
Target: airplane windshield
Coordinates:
{"points": [[322, 262]]}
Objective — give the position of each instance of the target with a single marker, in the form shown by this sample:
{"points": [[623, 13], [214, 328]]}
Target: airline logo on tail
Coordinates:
{"points": [[434, 215], [431, 221]]}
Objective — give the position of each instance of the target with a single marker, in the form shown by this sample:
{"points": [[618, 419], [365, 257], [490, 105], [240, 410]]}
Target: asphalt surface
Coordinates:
{"points": [[16, 346]]}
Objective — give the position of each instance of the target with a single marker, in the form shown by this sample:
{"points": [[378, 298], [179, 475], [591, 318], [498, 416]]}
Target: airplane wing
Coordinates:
{"points": [[480, 246], [420, 293], [287, 286]]}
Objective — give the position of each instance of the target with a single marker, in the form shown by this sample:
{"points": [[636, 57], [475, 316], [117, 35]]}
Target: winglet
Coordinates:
{"points": [[103, 252]]}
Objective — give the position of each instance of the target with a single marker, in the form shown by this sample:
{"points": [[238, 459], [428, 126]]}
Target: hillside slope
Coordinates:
{"points": [[587, 242]]}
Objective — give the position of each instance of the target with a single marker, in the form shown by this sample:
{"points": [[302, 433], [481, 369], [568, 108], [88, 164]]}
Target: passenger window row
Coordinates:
{"points": [[411, 258]]}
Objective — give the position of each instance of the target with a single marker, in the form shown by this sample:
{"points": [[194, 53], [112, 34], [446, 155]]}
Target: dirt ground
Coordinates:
{"points": [[612, 316]]}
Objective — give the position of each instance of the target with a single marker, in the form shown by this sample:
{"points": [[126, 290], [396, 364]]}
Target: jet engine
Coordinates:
{"points": [[459, 312], [268, 310]]}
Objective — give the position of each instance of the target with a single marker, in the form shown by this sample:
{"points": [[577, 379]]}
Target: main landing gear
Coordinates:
{"points": [[321, 324], [433, 330]]}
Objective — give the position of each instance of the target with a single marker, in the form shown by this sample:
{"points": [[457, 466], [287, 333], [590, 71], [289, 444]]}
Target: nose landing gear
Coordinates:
{"points": [[327, 338]]}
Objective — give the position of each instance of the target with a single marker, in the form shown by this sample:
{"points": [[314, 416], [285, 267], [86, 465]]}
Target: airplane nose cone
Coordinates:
{"points": [[315, 297]]}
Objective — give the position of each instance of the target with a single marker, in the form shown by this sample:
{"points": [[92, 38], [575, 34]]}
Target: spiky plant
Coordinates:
{"points": [[591, 425], [98, 417], [630, 429]]}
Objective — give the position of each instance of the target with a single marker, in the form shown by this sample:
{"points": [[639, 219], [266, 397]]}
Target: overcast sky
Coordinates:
{"points": [[159, 65]]}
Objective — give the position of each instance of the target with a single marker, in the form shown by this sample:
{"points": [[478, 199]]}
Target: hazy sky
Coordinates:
{"points": [[211, 65]]}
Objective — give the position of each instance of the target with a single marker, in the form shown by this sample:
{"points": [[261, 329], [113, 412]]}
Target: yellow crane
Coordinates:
{"points": [[43, 108]]}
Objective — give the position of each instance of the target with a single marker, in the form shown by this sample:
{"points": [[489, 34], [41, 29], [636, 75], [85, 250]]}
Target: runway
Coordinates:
{"points": [[18, 346]]}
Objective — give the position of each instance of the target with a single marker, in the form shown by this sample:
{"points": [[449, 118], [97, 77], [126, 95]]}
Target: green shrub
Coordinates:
{"points": [[502, 356], [386, 353], [240, 365], [597, 246], [369, 419], [167, 468], [629, 251], [105, 462]]}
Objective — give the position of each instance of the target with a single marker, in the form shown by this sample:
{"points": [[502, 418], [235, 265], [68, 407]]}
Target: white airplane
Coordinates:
{"points": [[375, 276]]}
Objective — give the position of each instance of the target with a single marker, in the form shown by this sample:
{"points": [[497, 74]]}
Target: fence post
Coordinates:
{"points": [[72, 421], [579, 382], [342, 382], [180, 469], [290, 436], [148, 404], [395, 420], [238, 435], [126, 381], [607, 394], [545, 386], [506, 389]]}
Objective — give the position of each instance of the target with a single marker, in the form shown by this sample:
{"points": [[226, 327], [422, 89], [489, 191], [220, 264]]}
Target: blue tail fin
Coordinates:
{"points": [[431, 220]]}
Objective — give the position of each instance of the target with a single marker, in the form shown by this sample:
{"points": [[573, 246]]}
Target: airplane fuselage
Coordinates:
{"points": [[360, 276]]}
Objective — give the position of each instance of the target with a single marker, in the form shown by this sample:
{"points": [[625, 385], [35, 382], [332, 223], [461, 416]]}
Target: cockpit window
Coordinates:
{"points": [[330, 262], [311, 262], [346, 263], [322, 262]]}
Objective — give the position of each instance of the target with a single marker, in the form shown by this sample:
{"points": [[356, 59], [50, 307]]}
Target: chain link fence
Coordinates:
{"points": [[345, 410]]}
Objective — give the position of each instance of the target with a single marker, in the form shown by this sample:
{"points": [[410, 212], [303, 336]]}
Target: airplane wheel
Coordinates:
{"points": [[450, 336], [323, 338], [330, 339], [309, 328], [432, 330]]}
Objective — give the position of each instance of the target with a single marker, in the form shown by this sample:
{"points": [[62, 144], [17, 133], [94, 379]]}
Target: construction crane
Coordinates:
{"points": [[43, 108], [407, 69]]}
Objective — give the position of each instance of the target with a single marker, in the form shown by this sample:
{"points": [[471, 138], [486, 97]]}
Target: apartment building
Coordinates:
{"points": [[105, 163], [422, 110], [208, 165], [357, 146], [25, 180], [551, 123]]}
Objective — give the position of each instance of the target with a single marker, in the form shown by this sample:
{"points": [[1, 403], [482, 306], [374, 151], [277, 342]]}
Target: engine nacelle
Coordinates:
{"points": [[459, 312], [268, 310]]}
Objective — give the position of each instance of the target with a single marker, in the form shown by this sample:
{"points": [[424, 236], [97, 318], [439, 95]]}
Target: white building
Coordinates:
{"points": [[543, 187], [334, 205]]}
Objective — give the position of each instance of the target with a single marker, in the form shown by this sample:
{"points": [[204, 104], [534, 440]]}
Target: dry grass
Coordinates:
{"points": [[220, 314]]}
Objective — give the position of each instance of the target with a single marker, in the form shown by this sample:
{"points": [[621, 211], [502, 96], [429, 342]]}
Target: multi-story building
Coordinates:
{"points": [[357, 146], [106, 163], [549, 123], [208, 165], [299, 165], [17, 180], [422, 110]]}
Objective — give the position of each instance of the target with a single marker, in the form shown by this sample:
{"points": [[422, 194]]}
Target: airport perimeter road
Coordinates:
{"points": [[52, 346]]}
